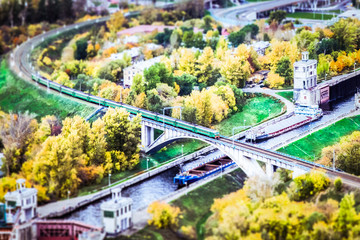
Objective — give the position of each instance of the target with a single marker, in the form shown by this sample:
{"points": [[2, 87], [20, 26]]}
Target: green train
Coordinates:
{"points": [[133, 110]]}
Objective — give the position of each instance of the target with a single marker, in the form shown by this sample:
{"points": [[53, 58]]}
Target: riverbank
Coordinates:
{"points": [[310, 146]]}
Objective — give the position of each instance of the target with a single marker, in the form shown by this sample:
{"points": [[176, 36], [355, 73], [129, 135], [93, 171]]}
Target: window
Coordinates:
{"points": [[310, 73], [117, 213], [125, 209], [108, 214], [304, 69], [303, 84], [296, 68], [11, 203], [28, 201], [129, 207], [121, 211]]}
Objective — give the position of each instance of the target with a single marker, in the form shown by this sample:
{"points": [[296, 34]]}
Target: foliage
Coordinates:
{"points": [[275, 80], [163, 215], [277, 16], [157, 73], [338, 184], [346, 34], [308, 185], [81, 47], [237, 38], [285, 70], [186, 83], [117, 22]]}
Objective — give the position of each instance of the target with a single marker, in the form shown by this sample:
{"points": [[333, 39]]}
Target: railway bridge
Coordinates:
{"points": [[246, 156]]}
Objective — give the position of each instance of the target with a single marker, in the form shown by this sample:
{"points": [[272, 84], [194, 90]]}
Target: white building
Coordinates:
{"points": [[305, 81], [138, 68], [133, 53], [117, 214], [260, 47], [22, 201]]}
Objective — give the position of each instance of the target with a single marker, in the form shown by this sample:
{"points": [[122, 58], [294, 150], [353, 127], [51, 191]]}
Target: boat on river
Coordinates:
{"points": [[203, 170]]}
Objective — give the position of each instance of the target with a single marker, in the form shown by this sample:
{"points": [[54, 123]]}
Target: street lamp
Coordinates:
{"points": [[147, 164], [233, 130], [182, 150], [354, 66], [68, 194], [334, 159], [109, 179], [325, 77]]}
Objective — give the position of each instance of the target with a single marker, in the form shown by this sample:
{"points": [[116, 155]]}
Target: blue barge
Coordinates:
{"points": [[203, 170]]}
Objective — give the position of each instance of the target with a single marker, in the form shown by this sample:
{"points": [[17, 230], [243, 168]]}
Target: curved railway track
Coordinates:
{"points": [[21, 60]]}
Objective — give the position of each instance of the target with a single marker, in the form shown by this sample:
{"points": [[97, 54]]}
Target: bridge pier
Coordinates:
{"points": [[270, 170], [147, 135]]}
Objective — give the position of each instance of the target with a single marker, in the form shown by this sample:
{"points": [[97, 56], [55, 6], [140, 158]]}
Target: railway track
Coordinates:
{"points": [[349, 178], [21, 59]]}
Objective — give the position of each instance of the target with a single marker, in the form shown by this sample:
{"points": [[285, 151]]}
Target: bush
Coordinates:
{"points": [[338, 184]]}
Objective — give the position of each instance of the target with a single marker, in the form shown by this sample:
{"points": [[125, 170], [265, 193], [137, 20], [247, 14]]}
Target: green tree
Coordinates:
{"points": [[186, 83], [277, 16], [155, 104], [157, 73], [347, 217], [345, 34], [81, 46], [285, 70], [138, 85]]}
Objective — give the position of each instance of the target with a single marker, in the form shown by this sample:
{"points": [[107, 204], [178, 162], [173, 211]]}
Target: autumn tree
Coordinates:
{"points": [[235, 70], [163, 215], [17, 133], [117, 22], [123, 138], [204, 67], [345, 34]]}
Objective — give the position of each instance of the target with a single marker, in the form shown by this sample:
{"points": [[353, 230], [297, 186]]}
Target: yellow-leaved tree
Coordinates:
{"points": [[275, 80], [163, 215]]}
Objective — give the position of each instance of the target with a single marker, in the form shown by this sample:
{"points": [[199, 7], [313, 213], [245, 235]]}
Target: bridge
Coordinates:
{"points": [[246, 156]]}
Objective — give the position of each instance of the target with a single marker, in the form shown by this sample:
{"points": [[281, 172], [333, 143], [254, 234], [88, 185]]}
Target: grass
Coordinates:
{"points": [[286, 94], [17, 95], [308, 15], [255, 111], [310, 146]]}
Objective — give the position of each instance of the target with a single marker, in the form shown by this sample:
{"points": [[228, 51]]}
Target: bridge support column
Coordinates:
{"points": [[297, 172], [147, 135], [269, 170]]}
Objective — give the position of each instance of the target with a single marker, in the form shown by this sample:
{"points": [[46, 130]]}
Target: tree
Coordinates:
{"points": [[305, 38], [347, 217], [235, 70], [81, 47], [207, 23], [186, 83], [157, 73], [285, 70], [97, 143], [345, 34], [138, 85], [117, 22], [277, 16], [155, 103], [236, 38], [163, 215], [122, 137], [275, 80], [204, 68], [16, 132]]}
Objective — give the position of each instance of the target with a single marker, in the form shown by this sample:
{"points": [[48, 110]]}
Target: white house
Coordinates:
{"points": [[305, 81], [22, 201], [117, 214], [138, 68]]}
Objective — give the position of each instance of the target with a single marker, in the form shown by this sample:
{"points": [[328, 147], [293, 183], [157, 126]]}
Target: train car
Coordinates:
{"points": [[133, 110]]}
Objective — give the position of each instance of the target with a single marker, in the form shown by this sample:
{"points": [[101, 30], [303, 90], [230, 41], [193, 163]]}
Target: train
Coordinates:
{"points": [[133, 110]]}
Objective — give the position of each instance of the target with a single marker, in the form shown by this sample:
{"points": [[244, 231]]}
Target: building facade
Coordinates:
{"points": [[305, 81], [117, 214]]}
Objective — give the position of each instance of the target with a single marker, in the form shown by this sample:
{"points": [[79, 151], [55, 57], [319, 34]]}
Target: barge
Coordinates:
{"points": [[303, 115], [203, 170]]}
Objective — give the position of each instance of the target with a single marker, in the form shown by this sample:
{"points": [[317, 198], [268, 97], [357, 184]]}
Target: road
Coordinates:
{"points": [[243, 14]]}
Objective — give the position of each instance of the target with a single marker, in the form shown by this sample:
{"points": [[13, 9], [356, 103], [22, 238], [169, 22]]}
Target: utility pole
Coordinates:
{"points": [[334, 159]]}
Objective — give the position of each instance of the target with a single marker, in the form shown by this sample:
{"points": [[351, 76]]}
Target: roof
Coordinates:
{"points": [[144, 29], [142, 65], [23, 193], [285, 123], [117, 203], [305, 62]]}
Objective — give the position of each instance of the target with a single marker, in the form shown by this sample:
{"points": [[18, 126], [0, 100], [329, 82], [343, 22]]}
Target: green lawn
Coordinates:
{"points": [[308, 15], [310, 146], [17, 95], [286, 94], [255, 111]]}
